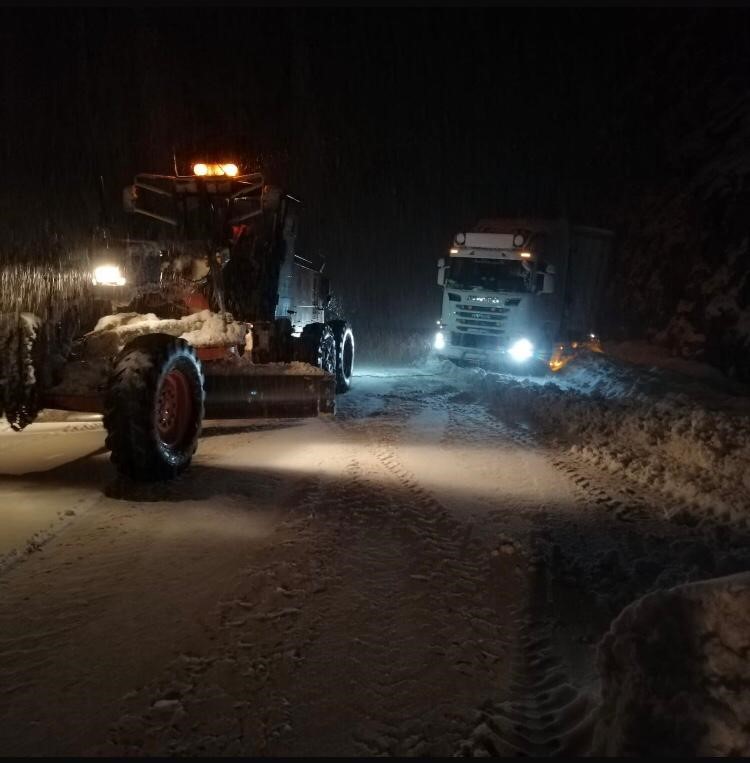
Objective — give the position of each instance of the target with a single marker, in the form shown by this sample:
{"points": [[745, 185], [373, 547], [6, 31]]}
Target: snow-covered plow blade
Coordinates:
{"points": [[264, 396], [269, 396]]}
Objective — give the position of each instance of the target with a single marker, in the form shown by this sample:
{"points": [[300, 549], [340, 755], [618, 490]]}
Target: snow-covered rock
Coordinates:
{"points": [[676, 675]]}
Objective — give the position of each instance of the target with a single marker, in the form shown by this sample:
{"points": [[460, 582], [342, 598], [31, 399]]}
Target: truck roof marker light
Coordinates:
{"points": [[526, 255], [230, 170], [200, 169]]}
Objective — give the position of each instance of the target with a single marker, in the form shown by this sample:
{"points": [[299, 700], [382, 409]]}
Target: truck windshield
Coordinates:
{"points": [[492, 275]]}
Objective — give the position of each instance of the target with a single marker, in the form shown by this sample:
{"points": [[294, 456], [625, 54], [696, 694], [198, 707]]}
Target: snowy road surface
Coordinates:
{"points": [[414, 577]]}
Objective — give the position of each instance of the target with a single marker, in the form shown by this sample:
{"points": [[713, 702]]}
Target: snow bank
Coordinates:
{"points": [[668, 433], [202, 329], [656, 358], [675, 673]]}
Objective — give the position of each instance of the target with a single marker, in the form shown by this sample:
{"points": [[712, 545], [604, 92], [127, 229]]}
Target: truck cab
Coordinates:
{"points": [[498, 284], [521, 292]]}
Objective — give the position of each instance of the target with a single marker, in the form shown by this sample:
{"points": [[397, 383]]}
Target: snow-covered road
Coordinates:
{"points": [[414, 577]]}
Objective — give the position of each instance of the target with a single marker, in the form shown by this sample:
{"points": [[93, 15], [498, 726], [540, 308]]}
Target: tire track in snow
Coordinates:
{"points": [[627, 502], [543, 712], [230, 698], [450, 575], [361, 665]]}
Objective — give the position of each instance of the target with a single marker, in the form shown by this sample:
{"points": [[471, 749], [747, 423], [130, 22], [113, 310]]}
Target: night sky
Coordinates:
{"points": [[395, 127]]}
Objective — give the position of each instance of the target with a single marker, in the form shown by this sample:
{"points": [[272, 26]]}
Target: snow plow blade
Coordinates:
{"points": [[272, 396], [563, 354], [269, 396]]}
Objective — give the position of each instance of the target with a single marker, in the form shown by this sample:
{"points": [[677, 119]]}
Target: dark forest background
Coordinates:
{"points": [[399, 127]]}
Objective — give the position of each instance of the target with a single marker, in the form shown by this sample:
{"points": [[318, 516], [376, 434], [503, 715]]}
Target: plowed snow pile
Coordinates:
{"points": [[201, 329], [664, 430], [675, 674]]}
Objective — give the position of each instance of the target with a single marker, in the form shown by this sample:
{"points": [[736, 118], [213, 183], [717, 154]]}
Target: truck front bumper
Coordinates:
{"points": [[504, 355]]}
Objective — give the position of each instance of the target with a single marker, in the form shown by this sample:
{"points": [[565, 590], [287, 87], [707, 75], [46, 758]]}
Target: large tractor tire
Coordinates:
{"points": [[317, 346], [344, 338], [154, 407], [22, 352]]}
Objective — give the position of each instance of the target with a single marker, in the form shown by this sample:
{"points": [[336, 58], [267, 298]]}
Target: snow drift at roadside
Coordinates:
{"points": [[688, 442]]}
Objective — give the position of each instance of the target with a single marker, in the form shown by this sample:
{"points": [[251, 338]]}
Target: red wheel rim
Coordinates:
{"points": [[174, 411]]}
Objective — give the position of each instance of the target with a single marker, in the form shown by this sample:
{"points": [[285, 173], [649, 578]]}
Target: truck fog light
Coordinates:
{"points": [[521, 350], [439, 341], [108, 275]]}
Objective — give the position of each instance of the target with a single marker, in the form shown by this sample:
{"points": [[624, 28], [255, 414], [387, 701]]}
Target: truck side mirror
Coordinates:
{"points": [[129, 196], [441, 272], [545, 280]]}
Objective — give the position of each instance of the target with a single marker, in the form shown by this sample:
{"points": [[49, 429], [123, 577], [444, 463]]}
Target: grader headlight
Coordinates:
{"points": [[108, 275]]}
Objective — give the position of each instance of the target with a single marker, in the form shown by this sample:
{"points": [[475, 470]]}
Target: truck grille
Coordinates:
{"points": [[486, 309], [484, 320], [481, 320]]}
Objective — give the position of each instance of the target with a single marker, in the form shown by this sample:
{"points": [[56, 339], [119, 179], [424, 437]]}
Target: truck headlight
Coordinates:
{"points": [[521, 350], [439, 341], [108, 275]]}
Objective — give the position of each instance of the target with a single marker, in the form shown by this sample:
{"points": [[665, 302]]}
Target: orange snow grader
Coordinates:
{"points": [[205, 310]]}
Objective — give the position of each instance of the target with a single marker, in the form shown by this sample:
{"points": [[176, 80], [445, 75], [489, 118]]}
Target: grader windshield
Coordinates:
{"points": [[207, 204]]}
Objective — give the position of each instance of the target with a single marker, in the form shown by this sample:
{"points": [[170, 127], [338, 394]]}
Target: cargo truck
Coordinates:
{"points": [[521, 293]]}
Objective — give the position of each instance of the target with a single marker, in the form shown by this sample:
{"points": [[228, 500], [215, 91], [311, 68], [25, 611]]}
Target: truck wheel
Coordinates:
{"points": [[344, 355], [318, 347], [153, 408]]}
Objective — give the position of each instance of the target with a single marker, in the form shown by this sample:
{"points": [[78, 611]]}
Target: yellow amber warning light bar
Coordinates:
{"points": [[211, 170]]}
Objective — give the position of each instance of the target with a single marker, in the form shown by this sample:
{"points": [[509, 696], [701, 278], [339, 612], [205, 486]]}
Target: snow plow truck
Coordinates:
{"points": [[205, 310], [522, 293]]}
